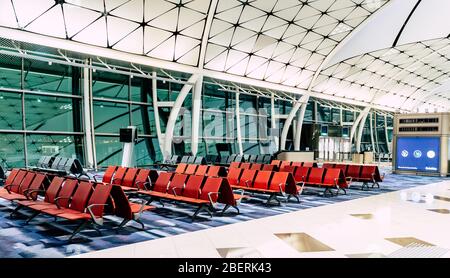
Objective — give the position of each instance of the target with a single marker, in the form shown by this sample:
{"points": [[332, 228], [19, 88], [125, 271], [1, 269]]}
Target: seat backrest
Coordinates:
{"points": [[66, 192], [297, 164], [99, 196], [77, 168], [368, 171], [62, 163], [256, 166], [69, 166], [231, 158], [343, 167], [142, 179], [223, 159], [279, 181], [216, 171], [26, 183], [201, 170], [39, 181], [122, 206], [247, 178], [262, 180], [40, 163], [211, 186], [308, 164], [81, 196], [289, 169], [191, 159], [185, 159], [378, 177], [253, 158], [130, 176], [190, 169], [55, 163], [177, 184], [316, 175], [245, 165], [260, 158], [301, 174], [119, 175], [162, 182], [193, 185], [200, 160], [181, 168], [175, 159], [235, 164], [12, 175], [53, 189], [233, 176], [331, 176], [328, 165], [276, 163], [48, 163], [284, 164], [267, 158], [109, 173], [268, 167], [18, 180], [353, 171]]}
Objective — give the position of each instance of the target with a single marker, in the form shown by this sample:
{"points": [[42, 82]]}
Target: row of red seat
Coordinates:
{"points": [[274, 184], [320, 177], [129, 178], [281, 164], [71, 199], [200, 190], [201, 170], [359, 173], [254, 166]]}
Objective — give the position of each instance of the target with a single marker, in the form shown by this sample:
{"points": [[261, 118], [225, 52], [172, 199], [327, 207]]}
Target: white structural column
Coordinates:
{"points": [[196, 112], [87, 116], [238, 124], [356, 123], [389, 144], [372, 140], [300, 119], [273, 120], [287, 124], [156, 111], [360, 130], [168, 137]]}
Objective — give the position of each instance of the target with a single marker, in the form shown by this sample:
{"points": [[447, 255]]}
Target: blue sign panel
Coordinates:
{"points": [[418, 154]]}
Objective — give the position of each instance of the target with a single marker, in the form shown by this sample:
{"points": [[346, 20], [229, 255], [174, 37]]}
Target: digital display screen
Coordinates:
{"points": [[418, 154], [324, 130], [126, 135], [345, 132]]}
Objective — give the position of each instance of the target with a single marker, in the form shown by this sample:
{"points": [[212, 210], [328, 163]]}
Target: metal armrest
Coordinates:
{"points": [[8, 187], [349, 180], [280, 185], [247, 182], [59, 199], [301, 187], [142, 202], [99, 220], [145, 183], [210, 198], [28, 192], [174, 190]]}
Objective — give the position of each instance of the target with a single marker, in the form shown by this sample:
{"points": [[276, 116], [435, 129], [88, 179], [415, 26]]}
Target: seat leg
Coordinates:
{"points": [[199, 209], [273, 197], [295, 196], [224, 209], [78, 229], [237, 209], [149, 201], [11, 215], [140, 222], [36, 213], [122, 224], [96, 229], [161, 202]]}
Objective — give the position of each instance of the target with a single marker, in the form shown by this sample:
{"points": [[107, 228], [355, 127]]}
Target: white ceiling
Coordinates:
{"points": [[286, 42]]}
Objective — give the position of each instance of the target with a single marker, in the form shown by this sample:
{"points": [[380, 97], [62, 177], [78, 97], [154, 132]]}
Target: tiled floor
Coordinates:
{"points": [[396, 224]]}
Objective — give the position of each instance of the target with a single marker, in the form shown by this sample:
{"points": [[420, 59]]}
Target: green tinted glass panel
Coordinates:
{"points": [[10, 111], [63, 145], [110, 117], [11, 150]]}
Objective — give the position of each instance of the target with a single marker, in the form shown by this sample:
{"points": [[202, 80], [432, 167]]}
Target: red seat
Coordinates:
{"points": [[11, 177], [353, 171], [119, 175], [14, 185], [65, 193], [109, 173], [234, 175], [202, 170], [162, 182], [181, 168], [216, 171], [268, 167], [247, 178], [143, 180], [370, 174], [50, 194], [367, 172], [301, 174], [315, 176], [16, 191], [343, 167], [190, 169], [328, 165], [331, 178], [177, 184], [309, 164], [276, 163], [284, 164], [245, 165], [193, 185], [297, 164], [130, 176], [235, 164], [289, 169], [283, 183], [262, 180], [256, 166]]}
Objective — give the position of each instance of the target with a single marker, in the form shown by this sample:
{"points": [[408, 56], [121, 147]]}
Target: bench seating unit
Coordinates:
{"points": [[366, 174]]}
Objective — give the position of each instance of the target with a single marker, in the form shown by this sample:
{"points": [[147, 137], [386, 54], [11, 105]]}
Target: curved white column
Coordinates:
{"points": [[356, 123], [168, 138], [360, 131], [300, 119], [290, 118], [156, 111], [196, 113], [238, 125]]}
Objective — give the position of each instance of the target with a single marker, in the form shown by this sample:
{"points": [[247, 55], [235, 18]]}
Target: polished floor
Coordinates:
{"points": [[413, 222]]}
